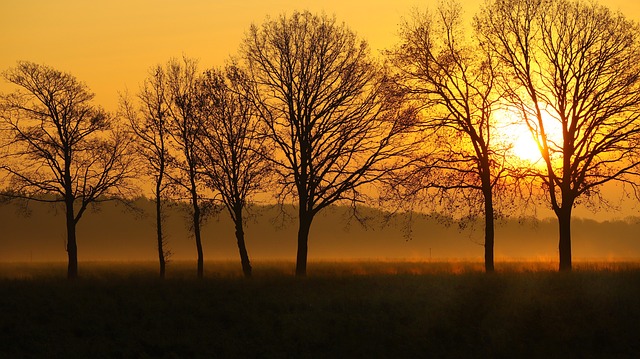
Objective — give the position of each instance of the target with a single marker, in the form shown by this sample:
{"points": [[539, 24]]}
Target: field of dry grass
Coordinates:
{"points": [[231, 269], [343, 309]]}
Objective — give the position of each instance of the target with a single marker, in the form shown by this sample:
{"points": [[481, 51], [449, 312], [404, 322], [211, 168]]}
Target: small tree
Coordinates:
{"points": [[181, 79], [60, 147], [232, 152], [149, 126], [580, 64], [452, 80], [328, 110]]}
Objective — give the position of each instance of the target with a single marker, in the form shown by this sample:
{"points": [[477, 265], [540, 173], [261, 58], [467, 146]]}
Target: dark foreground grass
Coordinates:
{"points": [[342, 310]]}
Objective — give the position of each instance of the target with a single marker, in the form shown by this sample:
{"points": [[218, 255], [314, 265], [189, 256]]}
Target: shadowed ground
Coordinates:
{"points": [[363, 309]]}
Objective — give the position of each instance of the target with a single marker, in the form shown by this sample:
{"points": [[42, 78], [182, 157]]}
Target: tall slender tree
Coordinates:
{"points": [[452, 80], [61, 148], [232, 152], [327, 108], [579, 63], [181, 89], [148, 122]]}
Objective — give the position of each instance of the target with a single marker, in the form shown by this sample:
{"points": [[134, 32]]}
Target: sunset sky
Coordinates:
{"points": [[110, 45]]}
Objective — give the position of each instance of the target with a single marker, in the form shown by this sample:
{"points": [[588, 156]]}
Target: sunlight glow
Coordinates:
{"points": [[518, 136], [524, 145]]}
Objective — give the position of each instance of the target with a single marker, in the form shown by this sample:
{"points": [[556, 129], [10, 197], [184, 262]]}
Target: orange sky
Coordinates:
{"points": [[111, 44]]}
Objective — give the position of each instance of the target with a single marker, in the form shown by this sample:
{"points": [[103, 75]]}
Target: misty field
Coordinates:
{"points": [[343, 309]]}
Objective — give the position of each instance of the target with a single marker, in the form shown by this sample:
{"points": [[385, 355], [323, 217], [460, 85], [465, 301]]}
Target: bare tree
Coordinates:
{"points": [[149, 126], [580, 64], [181, 79], [452, 80], [232, 153], [328, 110], [61, 147]]}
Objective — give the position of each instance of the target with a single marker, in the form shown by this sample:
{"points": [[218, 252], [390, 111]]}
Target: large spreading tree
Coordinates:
{"points": [[575, 66], [60, 147], [328, 110]]}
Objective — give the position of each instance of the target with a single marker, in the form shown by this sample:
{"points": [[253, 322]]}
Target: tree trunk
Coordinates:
{"points": [[489, 232], [303, 239], [72, 247], [564, 245], [196, 232], [242, 248], [159, 232]]}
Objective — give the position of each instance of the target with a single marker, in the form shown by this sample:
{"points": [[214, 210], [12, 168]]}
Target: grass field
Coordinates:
{"points": [[343, 309]]}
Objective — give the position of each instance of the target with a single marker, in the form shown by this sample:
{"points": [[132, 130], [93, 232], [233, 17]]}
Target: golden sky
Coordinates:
{"points": [[110, 44]]}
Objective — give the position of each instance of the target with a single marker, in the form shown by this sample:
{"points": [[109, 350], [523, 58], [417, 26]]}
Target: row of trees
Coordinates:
{"points": [[556, 63], [307, 114], [199, 133]]}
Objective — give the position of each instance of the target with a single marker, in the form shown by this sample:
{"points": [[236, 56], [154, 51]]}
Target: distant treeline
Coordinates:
{"points": [[114, 232]]}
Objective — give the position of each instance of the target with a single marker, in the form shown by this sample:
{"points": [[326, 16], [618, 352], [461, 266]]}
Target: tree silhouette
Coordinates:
{"points": [[149, 126], [452, 80], [580, 63], [232, 153], [60, 147], [181, 89], [328, 110]]}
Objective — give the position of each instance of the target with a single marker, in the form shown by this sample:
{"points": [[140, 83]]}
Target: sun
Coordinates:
{"points": [[524, 146], [519, 138]]}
